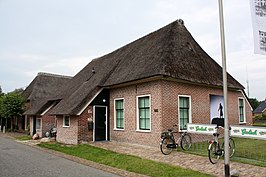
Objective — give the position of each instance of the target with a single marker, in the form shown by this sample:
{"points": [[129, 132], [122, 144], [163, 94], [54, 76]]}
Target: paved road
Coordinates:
{"points": [[17, 159]]}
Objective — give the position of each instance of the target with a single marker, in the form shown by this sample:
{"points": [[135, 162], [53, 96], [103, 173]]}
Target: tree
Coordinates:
{"points": [[12, 106], [1, 91], [1, 106], [254, 103], [19, 90]]}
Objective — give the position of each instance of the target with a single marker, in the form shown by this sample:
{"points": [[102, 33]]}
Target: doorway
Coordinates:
{"points": [[100, 123]]}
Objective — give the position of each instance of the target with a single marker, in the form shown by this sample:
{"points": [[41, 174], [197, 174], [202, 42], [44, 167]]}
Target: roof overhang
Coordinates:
{"points": [[163, 77], [89, 102]]}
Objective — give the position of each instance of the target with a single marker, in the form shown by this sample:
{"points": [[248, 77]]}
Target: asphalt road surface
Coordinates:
{"points": [[21, 160]]}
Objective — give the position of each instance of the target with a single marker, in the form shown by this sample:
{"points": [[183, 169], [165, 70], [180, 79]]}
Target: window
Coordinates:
{"points": [[119, 114], [184, 113], [66, 121], [241, 110], [38, 123], [144, 114]]}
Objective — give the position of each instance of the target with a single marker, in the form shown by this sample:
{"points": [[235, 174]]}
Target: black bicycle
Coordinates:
{"points": [[168, 142]]}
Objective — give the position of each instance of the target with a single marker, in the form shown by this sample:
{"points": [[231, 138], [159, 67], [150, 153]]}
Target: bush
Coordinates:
{"points": [[260, 121], [260, 117]]}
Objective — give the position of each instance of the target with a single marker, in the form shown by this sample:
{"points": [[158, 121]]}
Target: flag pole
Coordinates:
{"points": [[226, 127]]}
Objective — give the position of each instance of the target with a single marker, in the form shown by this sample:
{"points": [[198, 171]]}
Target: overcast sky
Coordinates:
{"points": [[62, 36]]}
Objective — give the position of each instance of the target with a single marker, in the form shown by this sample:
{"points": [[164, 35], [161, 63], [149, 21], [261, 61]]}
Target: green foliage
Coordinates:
{"points": [[260, 117], [260, 121], [23, 138], [1, 105], [11, 105], [254, 102]]}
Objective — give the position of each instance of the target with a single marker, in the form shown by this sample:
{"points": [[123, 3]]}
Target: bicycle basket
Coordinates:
{"points": [[164, 134]]}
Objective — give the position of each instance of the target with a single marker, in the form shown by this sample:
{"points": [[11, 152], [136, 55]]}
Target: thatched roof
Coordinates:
{"points": [[41, 89], [170, 51]]}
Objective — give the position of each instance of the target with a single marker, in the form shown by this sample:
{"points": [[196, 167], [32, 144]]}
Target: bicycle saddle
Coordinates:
{"points": [[218, 121]]}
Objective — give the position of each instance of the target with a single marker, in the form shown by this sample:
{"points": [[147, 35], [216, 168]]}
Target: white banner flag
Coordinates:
{"points": [[258, 13]]}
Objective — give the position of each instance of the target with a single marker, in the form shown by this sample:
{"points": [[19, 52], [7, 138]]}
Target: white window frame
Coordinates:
{"points": [[116, 99], [190, 115], [244, 112], [137, 110], [40, 123], [64, 121]]}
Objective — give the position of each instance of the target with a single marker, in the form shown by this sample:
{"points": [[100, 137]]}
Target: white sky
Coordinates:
{"points": [[62, 36]]}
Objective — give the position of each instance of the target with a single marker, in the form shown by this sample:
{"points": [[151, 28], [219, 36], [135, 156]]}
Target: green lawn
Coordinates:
{"points": [[23, 138], [250, 151], [123, 161]]}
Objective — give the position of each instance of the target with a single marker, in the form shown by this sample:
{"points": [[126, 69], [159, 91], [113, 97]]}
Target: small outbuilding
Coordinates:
{"points": [[261, 109]]}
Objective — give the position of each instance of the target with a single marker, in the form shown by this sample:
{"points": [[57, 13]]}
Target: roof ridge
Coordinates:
{"points": [[53, 75]]}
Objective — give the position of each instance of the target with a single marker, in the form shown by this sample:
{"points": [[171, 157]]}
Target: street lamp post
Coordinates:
{"points": [[226, 127]]}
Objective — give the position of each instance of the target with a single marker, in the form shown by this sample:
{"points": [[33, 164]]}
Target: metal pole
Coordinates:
{"points": [[226, 127]]}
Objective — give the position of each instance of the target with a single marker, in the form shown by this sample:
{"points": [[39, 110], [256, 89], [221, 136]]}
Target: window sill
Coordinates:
{"points": [[242, 123], [117, 129], [181, 131], [66, 126], [143, 131]]}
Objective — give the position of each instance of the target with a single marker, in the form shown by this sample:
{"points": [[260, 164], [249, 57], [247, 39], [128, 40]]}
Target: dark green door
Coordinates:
{"points": [[100, 123], [34, 125]]}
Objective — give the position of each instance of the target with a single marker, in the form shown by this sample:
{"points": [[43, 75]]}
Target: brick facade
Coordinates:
{"points": [[164, 108], [84, 134], [67, 135], [47, 122], [78, 131], [164, 112], [129, 93]]}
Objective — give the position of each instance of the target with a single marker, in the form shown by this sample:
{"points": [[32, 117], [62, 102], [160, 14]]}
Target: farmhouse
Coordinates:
{"points": [[37, 95], [143, 88]]}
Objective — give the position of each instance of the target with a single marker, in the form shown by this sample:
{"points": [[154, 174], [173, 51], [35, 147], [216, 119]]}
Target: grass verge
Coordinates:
{"points": [[123, 161], [23, 138]]}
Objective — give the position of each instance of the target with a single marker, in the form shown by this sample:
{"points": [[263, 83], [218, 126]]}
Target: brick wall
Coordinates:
{"points": [[83, 133], [164, 108], [129, 93], [78, 131], [48, 122], [67, 135], [200, 103]]}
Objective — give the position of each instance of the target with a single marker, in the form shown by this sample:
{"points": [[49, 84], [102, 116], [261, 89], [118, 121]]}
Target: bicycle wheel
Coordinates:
{"points": [[163, 145], [185, 142], [213, 152], [231, 147]]}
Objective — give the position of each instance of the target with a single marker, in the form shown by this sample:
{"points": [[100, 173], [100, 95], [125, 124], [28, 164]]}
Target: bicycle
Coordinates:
{"points": [[168, 142], [214, 150]]}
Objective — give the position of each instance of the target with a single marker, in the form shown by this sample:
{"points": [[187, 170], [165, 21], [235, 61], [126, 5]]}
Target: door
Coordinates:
{"points": [[34, 125], [100, 123]]}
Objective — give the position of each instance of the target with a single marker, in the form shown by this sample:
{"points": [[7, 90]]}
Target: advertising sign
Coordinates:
{"points": [[201, 128], [248, 132], [216, 106]]}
